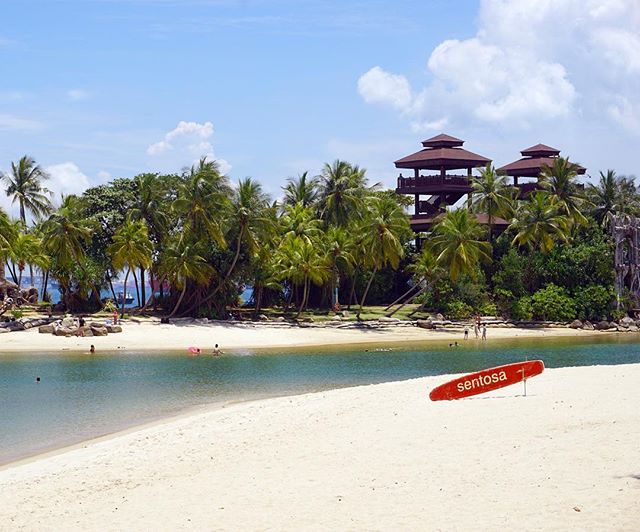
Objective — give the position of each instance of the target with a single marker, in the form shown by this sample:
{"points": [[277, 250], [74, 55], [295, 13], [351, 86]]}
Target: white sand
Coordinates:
{"points": [[382, 457], [152, 335]]}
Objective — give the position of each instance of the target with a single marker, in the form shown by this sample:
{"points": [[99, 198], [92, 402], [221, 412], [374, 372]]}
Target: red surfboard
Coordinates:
{"points": [[487, 380]]}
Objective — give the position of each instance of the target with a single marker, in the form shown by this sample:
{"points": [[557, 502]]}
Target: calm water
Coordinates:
{"points": [[81, 396]]}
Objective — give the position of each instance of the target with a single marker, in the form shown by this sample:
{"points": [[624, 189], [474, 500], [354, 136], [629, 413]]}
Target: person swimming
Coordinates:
{"points": [[217, 351], [92, 349]]}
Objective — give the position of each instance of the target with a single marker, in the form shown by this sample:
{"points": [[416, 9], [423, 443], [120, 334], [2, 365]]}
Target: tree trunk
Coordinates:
{"points": [[421, 291], [143, 292], [259, 299], [403, 296], [45, 283], [124, 295], [20, 278], [289, 298], [366, 291], [304, 297], [175, 309], [135, 280]]}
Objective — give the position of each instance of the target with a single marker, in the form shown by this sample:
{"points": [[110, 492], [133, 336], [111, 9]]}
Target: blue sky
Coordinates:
{"points": [[96, 89]]}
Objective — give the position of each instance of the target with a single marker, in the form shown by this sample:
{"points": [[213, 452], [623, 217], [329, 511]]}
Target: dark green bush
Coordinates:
{"points": [[594, 302], [553, 303], [458, 310], [521, 309]]}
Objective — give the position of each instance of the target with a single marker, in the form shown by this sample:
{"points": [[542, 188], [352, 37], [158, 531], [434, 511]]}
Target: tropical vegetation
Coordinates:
{"points": [[332, 241]]}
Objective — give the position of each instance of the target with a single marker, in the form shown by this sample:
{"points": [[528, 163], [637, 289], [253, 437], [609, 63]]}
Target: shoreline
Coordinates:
{"points": [[334, 457], [150, 335]]}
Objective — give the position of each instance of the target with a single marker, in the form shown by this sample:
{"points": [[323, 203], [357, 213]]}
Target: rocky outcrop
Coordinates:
{"points": [[588, 326], [603, 325], [425, 324], [99, 330], [626, 321], [576, 324], [113, 328], [46, 329]]}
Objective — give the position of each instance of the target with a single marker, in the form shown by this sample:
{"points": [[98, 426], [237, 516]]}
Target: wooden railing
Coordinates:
{"points": [[432, 180]]}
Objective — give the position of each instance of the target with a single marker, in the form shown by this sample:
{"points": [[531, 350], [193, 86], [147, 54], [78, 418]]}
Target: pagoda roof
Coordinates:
{"points": [[534, 160], [442, 151], [442, 141], [540, 150]]}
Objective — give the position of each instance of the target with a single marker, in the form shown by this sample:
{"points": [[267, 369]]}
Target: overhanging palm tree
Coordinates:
{"points": [[24, 185], [539, 224], [457, 244]]}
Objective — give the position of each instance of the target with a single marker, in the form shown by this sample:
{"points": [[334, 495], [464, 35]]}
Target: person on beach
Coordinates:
{"points": [[466, 333], [484, 332], [217, 351], [115, 317]]}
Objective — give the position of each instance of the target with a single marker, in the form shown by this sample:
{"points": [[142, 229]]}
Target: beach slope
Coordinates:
{"points": [[380, 457]]}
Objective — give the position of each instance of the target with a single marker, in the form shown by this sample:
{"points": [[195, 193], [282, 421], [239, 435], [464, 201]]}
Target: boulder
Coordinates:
{"points": [[86, 331], [439, 317], [602, 325], [279, 319], [425, 324], [588, 326], [46, 329], [633, 328], [263, 317], [626, 321], [388, 319], [576, 324], [65, 331], [99, 331], [113, 328]]}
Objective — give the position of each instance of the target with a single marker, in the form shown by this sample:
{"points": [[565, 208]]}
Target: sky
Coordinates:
{"points": [[99, 89]]}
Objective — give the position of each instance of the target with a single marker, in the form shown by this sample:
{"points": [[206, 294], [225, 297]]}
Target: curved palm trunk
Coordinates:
{"points": [[403, 296], [143, 301], [113, 292], [135, 279], [20, 270], [366, 291], [175, 309], [124, 295]]}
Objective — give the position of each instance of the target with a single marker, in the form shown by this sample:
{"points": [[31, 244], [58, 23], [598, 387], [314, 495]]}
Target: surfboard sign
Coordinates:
{"points": [[487, 380]]}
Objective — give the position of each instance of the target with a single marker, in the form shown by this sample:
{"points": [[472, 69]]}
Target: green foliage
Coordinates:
{"points": [[488, 309], [522, 309], [510, 275], [458, 310], [594, 302], [17, 313], [109, 305], [553, 303]]}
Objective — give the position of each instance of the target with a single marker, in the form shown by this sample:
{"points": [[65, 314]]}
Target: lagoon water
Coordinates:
{"points": [[81, 396]]}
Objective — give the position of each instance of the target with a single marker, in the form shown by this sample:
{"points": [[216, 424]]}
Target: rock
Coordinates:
{"points": [[425, 324], [626, 321], [388, 319], [99, 331], [65, 331], [336, 318], [620, 328], [345, 313], [263, 317], [633, 328], [280, 319], [46, 329], [602, 325], [86, 331], [439, 317], [201, 321], [576, 324], [588, 326], [113, 328]]}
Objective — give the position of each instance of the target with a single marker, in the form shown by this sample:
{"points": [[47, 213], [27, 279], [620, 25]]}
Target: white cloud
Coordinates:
{"points": [[66, 178], [104, 176], [9, 123], [530, 61], [77, 94], [192, 139]]}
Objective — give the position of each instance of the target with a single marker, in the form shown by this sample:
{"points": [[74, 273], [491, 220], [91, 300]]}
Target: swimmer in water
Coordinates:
{"points": [[92, 349], [217, 351]]}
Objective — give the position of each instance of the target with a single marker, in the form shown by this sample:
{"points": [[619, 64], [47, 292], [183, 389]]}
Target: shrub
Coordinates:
{"points": [[458, 310], [521, 309], [553, 303], [17, 313], [109, 306], [488, 309], [594, 302]]}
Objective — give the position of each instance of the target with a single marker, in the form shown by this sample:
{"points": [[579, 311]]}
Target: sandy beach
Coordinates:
{"points": [[380, 457], [150, 334]]}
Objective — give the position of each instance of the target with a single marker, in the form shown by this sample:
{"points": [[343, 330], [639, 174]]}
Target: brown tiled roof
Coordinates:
{"points": [[531, 167], [540, 150], [435, 158], [442, 141]]}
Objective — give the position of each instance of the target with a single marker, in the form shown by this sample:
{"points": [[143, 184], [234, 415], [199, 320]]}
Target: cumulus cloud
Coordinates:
{"points": [[530, 60], [66, 178], [192, 139]]}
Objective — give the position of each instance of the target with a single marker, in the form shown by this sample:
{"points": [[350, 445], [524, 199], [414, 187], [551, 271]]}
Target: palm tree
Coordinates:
{"points": [[491, 195], [559, 180], [603, 196], [302, 263], [382, 230], [7, 235], [131, 248], [202, 201], [301, 189], [539, 223], [182, 263], [339, 246], [299, 221], [26, 249], [342, 190], [457, 244], [24, 185]]}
